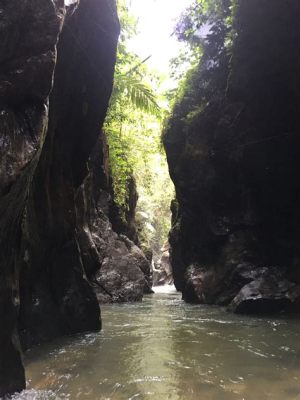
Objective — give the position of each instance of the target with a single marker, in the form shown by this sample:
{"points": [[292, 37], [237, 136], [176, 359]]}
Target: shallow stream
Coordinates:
{"points": [[165, 349]]}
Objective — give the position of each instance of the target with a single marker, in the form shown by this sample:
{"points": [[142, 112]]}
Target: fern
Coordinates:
{"points": [[139, 93]]}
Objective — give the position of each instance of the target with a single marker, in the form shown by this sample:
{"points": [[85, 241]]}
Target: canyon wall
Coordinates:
{"points": [[56, 70], [233, 146]]}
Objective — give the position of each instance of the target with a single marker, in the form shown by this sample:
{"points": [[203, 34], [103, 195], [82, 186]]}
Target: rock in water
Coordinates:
{"points": [[262, 297]]}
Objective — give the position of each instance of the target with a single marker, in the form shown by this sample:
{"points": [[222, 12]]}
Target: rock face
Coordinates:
{"points": [[58, 299], [47, 252], [266, 294], [115, 267], [162, 271], [124, 271], [234, 160], [126, 225]]}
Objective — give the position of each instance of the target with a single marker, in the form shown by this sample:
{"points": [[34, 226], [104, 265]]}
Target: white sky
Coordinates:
{"points": [[156, 24]]}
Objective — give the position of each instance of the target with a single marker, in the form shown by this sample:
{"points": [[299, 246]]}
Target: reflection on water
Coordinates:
{"points": [[165, 349]]}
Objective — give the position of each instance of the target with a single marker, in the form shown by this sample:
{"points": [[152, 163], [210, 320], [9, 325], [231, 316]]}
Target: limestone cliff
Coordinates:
{"points": [[233, 150], [56, 70]]}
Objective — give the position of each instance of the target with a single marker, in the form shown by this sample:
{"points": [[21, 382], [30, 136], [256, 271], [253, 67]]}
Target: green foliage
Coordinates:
{"points": [[133, 127], [131, 95], [206, 27], [153, 211], [138, 92], [201, 19]]}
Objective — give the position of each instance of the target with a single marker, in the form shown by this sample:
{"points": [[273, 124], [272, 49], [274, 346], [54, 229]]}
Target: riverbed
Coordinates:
{"points": [[165, 349]]}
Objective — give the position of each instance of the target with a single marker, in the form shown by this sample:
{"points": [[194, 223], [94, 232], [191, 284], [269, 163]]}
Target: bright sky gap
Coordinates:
{"points": [[156, 22]]}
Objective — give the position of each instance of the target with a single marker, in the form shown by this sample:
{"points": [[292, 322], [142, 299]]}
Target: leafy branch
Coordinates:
{"points": [[139, 93]]}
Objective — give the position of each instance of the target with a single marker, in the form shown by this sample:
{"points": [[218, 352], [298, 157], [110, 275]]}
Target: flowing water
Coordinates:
{"points": [[165, 349]]}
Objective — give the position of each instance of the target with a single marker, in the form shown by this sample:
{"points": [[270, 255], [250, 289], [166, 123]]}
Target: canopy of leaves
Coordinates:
{"points": [[133, 127]]}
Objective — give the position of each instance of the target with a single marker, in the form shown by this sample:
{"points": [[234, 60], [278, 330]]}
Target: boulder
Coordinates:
{"points": [[264, 295], [124, 273]]}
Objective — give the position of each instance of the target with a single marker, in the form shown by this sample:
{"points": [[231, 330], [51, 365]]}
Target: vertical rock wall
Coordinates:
{"points": [[45, 144], [58, 299], [235, 163]]}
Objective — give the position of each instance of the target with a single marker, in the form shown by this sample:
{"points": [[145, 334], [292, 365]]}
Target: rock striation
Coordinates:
{"points": [[27, 65], [57, 246], [55, 297], [233, 154]]}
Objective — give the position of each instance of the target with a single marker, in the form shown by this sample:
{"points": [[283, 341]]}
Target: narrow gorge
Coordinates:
{"points": [[73, 231]]}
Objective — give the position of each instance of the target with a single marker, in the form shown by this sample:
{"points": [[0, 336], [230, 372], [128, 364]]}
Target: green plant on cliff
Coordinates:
{"points": [[133, 128], [206, 26], [132, 97]]}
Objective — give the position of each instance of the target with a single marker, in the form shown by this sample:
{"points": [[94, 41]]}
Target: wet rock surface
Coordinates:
{"points": [[56, 296], [56, 67], [262, 296], [247, 290], [234, 161], [26, 71]]}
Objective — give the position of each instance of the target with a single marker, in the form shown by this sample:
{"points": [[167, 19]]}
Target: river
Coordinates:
{"points": [[165, 349]]}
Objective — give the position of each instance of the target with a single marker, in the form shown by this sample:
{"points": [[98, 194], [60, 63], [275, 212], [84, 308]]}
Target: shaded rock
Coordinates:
{"points": [[201, 285], [233, 153], [241, 275], [45, 143], [124, 221], [122, 276], [294, 295], [116, 268], [265, 295], [26, 72], [248, 289], [56, 296], [142, 261]]}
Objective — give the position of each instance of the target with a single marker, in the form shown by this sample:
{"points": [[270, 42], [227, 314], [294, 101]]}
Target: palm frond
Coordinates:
{"points": [[139, 93]]}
